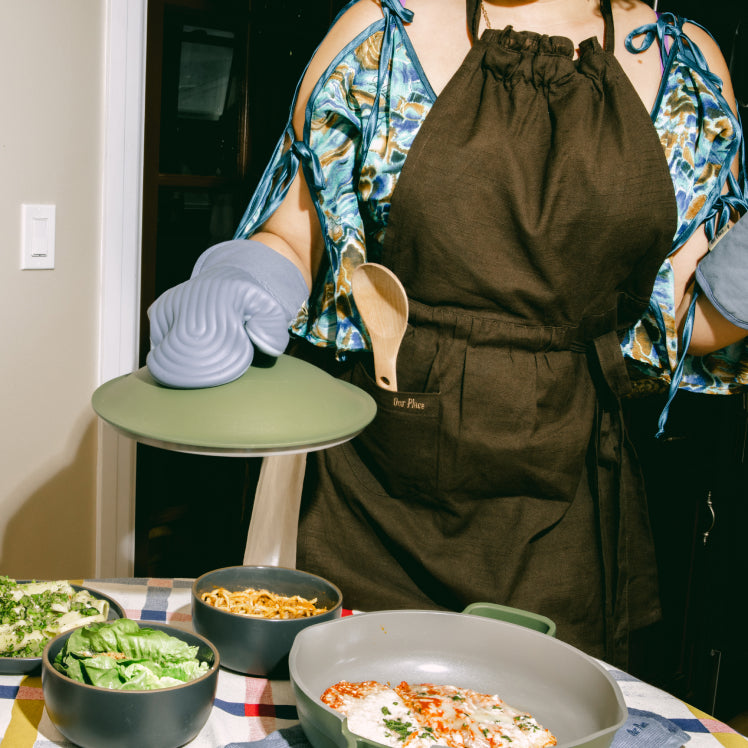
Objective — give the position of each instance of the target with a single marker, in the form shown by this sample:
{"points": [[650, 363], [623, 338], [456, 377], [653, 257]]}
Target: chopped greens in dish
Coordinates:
{"points": [[123, 655], [31, 613]]}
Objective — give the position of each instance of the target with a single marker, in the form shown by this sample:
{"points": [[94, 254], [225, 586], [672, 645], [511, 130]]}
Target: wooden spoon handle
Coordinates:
{"points": [[385, 361]]}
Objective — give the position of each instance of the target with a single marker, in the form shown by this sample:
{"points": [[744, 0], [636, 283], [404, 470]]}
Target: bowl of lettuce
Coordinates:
{"points": [[125, 683]]}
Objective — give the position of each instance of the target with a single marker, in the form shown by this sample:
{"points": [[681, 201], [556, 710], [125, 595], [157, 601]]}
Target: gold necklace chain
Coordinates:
{"points": [[485, 15]]}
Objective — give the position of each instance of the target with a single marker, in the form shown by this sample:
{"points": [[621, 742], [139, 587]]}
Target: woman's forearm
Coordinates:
{"points": [[294, 231], [711, 331]]}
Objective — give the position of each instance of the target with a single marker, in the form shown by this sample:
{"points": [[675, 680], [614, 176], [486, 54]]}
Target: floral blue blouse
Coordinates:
{"points": [[363, 115]]}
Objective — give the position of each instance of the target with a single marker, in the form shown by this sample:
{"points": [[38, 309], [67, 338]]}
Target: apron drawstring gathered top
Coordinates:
{"points": [[527, 226]]}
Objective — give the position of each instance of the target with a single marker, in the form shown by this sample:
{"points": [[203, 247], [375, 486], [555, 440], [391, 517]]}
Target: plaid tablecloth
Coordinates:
{"points": [[249, 709]]}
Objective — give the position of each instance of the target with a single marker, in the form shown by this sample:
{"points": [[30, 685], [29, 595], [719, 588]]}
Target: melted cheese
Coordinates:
{"points": [[425, 715]]}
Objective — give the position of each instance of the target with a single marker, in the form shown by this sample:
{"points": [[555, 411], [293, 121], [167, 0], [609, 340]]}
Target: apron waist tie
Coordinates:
{"points": [[614, 489], [607, 348]]}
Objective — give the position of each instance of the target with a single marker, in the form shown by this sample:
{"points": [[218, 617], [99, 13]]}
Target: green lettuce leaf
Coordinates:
{"points": [[124, 655], [127, 637]]}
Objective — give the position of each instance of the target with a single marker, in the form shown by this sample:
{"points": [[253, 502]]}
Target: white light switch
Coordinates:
{"points": [[37, 237]]}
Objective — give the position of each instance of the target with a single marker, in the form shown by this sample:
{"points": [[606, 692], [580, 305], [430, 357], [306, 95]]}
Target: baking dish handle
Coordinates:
{"points": [[513, 615]]}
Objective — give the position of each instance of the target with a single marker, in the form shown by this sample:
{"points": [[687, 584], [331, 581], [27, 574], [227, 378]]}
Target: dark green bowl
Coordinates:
{"points": [[94, 717], [259, 646]]}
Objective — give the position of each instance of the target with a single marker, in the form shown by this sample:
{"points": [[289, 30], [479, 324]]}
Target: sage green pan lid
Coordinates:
{"points": [[290, 406]]}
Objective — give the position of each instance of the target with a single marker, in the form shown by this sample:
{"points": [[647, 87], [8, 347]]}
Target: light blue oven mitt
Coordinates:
{"points": [[722, 274], [241, 294]]}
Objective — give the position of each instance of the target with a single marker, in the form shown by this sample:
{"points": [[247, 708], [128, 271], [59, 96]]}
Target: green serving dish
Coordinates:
{"points": [[568, 692], [289, 406]]}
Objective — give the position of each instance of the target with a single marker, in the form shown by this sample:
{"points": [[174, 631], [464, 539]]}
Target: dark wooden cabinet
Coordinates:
{"points": [[697, 487]]}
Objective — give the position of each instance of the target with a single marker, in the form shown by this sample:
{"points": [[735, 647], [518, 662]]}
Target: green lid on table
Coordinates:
{"points": [[289, 406]]}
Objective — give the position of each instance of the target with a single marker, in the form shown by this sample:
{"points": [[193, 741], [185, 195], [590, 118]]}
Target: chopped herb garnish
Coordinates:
{"points": [[400, 728], [30, 614]]}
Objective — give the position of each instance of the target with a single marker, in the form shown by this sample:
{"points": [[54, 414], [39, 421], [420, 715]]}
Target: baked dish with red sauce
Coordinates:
{"points": [[424, 715]]}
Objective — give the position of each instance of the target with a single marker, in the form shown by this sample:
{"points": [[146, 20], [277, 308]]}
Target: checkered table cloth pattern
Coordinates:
{"points": [[249, 709]]}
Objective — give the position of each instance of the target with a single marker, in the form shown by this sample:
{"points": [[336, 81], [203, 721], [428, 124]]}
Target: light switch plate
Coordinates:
{"points": [[37, 237]]}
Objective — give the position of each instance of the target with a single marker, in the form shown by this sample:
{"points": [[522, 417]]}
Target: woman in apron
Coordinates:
{"points": [[527, 214]]}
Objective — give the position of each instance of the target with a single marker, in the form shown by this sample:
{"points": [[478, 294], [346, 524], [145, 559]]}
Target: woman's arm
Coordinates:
{"points": [[246, 292], [711, 331], [294, 230]]}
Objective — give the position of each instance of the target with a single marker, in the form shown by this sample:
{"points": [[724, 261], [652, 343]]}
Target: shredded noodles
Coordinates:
{"points": [[261, 603]]}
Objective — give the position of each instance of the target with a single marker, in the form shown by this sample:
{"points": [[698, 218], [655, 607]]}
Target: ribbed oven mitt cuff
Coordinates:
{"points": [[722, 274], [203, 332]]}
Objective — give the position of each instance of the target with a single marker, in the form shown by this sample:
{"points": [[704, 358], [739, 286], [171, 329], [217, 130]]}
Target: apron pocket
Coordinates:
{"points": [[400, 446]]}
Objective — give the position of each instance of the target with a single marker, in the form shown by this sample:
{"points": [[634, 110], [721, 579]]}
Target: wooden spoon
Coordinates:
{"points": [[383, 305]]}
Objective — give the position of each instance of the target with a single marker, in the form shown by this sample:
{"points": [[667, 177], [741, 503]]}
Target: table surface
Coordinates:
{"points": [[248, 709]]}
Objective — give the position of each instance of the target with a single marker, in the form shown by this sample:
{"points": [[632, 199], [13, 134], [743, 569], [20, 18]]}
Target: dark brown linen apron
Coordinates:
{"points": [[528, 224]]}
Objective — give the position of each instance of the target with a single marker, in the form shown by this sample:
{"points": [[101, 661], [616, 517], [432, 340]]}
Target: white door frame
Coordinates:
{"points": [[123, 126]]}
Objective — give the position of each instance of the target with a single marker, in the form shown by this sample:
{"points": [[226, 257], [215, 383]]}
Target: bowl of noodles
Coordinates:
{"points": [[252, 614]]}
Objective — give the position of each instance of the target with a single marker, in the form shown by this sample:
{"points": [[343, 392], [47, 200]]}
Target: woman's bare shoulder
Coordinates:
{"points": [[355, 19], [352, 21], [712, 53], [635, 13], [347, 26]]}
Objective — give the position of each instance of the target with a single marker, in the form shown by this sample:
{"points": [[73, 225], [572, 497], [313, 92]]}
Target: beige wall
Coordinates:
{"points": [[51, 54]]}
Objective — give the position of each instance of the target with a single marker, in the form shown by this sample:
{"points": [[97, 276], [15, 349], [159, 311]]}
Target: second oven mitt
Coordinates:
{"points": [[722, 274], [241, 294]]}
